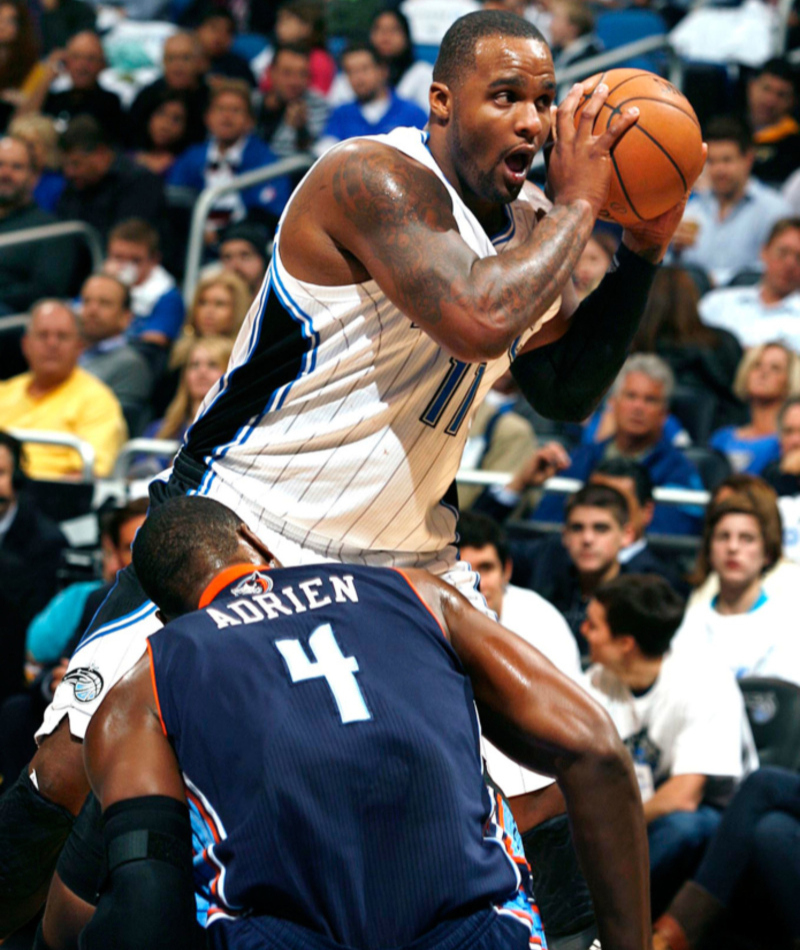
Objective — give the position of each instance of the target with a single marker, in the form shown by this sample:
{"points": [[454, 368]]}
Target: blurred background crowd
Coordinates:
{"points": [[122, 292]]}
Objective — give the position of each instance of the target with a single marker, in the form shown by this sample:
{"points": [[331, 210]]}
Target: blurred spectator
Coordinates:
{"points": [[84, 60], [784, 474], [27, 271], [566, 571], [753, 632], [30, 552], [783, 578], [776, 133], [594, 261], [103, 187], [167, 133], [683, 722], [243, 251], [390, 36], [292, 116], [701, 358], [184, 68], [105, 316], [572, 35], [766, 376], [133, 256], [219, 307], [641, 395], [231, 149], [770, 310], [724, 228], [57, 395], [377, 109], [61, 19], [303, 22], [55, 632], [216, 33], [21, 75], [517, 7], [39, 132], [500, 439], [206, 362]]}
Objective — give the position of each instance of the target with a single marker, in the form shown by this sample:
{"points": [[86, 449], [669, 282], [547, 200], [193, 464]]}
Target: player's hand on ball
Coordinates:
{"points": [[580, 162]]}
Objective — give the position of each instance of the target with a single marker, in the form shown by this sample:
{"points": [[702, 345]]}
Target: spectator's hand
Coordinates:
{"points": [[55, 61], [58, 674], [545, 462], [790, 464], [296, 114]]}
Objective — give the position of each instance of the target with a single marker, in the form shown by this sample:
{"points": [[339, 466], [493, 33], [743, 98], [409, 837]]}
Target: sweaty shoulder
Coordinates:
{"points": [[358, 192]]}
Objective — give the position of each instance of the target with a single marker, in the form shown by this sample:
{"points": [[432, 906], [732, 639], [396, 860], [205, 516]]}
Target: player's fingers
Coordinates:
{"points": [[554, 122], [593, 105], [618, 128], [565, 114]]}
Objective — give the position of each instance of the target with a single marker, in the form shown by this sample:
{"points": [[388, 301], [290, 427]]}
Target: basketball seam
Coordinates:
{"points": [[624, 189], [615, 110], [663, 102]]}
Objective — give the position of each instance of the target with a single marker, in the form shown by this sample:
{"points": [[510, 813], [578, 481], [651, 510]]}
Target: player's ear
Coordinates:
{"points": [[441, 102], [250, 537]]}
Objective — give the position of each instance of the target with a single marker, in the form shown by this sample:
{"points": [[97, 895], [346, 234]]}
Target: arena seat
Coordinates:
{"points": [[12, 362], [619, 27], [713, 466], [773, 708]]}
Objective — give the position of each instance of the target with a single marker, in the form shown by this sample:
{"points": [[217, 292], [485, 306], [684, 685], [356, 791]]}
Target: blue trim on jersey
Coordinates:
{"points": [[306, 323], [505, 234], [129, 620]]}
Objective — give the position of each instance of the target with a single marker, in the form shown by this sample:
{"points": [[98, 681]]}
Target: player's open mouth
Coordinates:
{"points": [[517, 165]]}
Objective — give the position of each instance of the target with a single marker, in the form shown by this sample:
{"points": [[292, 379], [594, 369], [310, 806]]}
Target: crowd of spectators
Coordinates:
{"points": [[708, 401]]}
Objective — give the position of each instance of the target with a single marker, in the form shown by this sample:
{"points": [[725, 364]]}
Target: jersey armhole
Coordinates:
{"points": [[155, 687], [421, 599]]}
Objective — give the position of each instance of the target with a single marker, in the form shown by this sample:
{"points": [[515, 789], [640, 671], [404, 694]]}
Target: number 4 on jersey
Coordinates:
{"points": [[330, 664]]}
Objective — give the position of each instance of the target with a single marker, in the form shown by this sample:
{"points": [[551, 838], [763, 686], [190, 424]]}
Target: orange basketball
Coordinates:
{"points": [[658, 160]]}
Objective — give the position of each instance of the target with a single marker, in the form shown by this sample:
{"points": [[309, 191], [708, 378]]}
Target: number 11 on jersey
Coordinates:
{"points": [[330, 664]]}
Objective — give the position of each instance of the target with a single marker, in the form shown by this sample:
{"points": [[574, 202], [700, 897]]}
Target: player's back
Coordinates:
{"points": [[329, 746]]}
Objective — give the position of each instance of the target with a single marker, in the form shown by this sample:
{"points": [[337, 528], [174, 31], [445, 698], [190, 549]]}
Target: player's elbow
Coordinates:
{"points": [[599, 751]]}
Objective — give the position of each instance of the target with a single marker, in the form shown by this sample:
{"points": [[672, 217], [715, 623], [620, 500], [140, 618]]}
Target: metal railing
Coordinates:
{"points": [[135, 448], [208, 196], [47, 232], [65, 440], [568, 486]]}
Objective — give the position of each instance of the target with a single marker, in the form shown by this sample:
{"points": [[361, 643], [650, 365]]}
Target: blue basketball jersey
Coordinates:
{"points": [[329, 745]]}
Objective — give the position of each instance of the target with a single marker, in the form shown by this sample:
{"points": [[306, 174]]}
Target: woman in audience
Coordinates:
{"points": [[20, 72], [39, 132], [218, 308], [754, 632], [410, 78], [767, 375], [783, 578], [206, 361], [303, 22], [702, 358], [166, 135], [594, 261]]}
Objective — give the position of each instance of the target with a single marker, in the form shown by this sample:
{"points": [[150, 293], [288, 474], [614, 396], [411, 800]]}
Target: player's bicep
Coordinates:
{"points": [[529, 709], [395, 217], [126, 753]]}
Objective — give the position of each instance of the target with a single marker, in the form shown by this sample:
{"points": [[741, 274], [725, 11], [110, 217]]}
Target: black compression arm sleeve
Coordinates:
{"points": [[565, 380], [148, 899]]}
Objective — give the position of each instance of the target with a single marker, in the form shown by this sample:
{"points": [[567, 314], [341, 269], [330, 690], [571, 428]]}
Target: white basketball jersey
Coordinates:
{"points": [[339, 425]]}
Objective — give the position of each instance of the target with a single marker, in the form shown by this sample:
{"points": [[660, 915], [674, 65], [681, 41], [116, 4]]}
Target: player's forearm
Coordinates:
{"points": [[566, 379], [608, 830]]}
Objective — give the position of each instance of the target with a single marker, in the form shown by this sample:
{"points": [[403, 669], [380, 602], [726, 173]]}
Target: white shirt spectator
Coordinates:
{"points": [[540, 624], [741, 311], [790, 515], [765, 641], [691, 721], [782, 581]]}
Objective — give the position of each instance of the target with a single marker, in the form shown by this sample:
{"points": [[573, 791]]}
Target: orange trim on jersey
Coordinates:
{"points": [[155, 687], [405, 577], [226, 577]]}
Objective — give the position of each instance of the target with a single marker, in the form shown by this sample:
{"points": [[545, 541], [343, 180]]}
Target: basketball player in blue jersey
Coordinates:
{"points": [[409, 272], [320, 723]]}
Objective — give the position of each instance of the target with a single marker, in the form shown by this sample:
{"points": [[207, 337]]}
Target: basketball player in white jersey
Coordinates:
{"points": [[386, 315]]}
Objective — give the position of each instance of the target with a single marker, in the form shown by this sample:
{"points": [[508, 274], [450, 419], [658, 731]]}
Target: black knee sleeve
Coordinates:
{"points": [[562, 893], [32, 833], [147, 899]]}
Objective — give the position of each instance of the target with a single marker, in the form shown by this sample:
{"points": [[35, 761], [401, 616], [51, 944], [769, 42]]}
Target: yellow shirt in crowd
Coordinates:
{"points": [[81, 406]]}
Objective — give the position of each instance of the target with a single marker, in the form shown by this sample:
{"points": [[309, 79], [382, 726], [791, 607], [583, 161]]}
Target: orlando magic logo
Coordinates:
{"points": [[255, 583], [88, 684]]}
